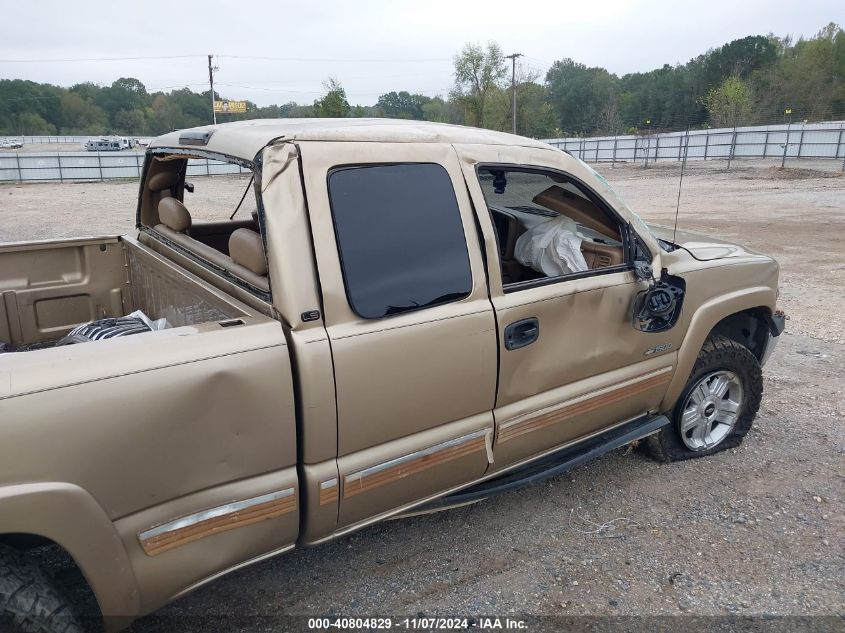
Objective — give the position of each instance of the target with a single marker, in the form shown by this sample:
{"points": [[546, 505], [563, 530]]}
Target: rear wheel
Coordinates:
{"points": [[718, 404], [29, 601]]}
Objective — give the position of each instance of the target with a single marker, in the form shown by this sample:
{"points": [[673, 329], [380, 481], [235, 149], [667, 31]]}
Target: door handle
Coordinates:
{"points": [[521, 333]]}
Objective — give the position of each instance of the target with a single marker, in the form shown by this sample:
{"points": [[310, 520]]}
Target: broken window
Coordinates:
{"points": [[548, 226]]}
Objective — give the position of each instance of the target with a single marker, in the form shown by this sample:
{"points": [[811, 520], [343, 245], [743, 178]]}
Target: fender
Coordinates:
{"points": [[703, 322], [69, 516]]}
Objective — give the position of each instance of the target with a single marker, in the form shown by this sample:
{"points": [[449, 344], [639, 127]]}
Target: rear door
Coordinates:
{"points": [[409, 319]]}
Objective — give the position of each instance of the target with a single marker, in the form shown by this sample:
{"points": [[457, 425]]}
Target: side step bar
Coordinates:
{"points": [[551, 465]]}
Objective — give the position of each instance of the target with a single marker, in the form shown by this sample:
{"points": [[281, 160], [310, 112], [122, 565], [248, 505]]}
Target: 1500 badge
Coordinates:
{"points": [[658, 349]]}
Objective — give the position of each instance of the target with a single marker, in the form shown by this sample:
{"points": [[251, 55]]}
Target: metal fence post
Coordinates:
{"points": [[59, 161], [839, 146], [616, 138], [801, 139], [766, 145], [20, 173], [733, 146], [680, 144], [598, 142], [207, 168], [785, 145], [656, 148], [138, 164], [706, 143], [100, 166]]}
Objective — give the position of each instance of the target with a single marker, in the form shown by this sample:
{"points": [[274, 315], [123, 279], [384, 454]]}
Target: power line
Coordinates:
{"points": [[378, 60], [95, 59]]}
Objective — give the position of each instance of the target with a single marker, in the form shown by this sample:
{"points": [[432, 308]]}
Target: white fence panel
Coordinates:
{"points": [[797, 140]]}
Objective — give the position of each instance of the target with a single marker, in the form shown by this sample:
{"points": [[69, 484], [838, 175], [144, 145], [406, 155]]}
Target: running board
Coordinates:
{"points": [[551, 465]]}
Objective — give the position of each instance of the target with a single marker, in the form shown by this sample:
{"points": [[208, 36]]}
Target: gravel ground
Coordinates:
{"points": [[757, 530]]}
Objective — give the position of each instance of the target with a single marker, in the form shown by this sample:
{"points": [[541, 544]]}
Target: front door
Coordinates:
{"points": [[571, 361], [408, 315]]}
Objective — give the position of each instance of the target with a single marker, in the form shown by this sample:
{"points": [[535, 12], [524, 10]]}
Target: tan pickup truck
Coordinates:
{"points": [[414, 315]]}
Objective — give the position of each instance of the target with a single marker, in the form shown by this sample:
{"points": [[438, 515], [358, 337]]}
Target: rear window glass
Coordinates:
{"points": [[401, 241]]}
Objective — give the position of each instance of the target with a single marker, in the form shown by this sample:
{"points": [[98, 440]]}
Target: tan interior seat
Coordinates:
{"points": [[175, 225], [174, 215], [247, 260]]}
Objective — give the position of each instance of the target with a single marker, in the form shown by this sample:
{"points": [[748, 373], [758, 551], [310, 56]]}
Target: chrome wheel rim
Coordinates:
{"points": [[711, 410]]}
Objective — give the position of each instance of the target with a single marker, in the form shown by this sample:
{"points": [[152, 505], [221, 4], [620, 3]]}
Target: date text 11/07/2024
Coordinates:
{"points": [[417, 624]]}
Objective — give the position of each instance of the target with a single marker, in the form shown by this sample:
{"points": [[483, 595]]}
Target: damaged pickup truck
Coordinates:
{"points": [[415, 315]]}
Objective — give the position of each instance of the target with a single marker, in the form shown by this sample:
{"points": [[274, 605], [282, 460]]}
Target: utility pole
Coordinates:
{"points": [[211, 70], [513, 57]]}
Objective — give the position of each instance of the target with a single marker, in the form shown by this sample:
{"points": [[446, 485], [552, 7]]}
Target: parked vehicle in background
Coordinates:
{"points": [[11, 144], [414, 314], [104, 145]]}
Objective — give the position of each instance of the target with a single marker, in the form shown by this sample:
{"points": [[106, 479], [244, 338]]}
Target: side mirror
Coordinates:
{"points": [[189, 187]]}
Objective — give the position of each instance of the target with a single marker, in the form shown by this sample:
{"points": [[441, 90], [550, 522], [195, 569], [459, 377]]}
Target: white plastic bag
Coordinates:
{"points": [[552, 248], [155, 326]]}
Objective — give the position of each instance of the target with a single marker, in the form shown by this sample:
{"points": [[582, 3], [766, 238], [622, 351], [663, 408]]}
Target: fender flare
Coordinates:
{"points": [[702, 323], [69, 516]]}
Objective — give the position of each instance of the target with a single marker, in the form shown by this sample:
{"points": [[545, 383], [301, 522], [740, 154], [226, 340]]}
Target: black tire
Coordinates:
{"points": [[718, 352], [29, 600]]}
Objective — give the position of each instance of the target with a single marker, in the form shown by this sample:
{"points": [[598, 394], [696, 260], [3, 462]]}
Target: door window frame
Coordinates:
{"points": [[626, 232]]}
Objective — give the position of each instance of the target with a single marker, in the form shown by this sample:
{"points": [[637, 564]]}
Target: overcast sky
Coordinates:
{"points": [[371, 46]]}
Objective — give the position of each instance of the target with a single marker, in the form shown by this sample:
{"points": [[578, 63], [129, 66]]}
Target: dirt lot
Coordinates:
{"points": [[753, 531]]}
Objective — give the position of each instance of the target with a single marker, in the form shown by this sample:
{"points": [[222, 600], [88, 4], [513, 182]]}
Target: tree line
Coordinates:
{"points": [[754, 80]]}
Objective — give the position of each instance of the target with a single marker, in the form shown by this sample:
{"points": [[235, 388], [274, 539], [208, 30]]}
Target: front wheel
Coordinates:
{"points": [[718, 404]]}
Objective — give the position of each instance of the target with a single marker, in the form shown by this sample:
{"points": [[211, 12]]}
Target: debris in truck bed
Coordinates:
{"points": [[135, 323]]}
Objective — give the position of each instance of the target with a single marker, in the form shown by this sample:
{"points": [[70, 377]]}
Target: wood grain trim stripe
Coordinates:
{"points": [[328, 491], [582, 405], [368, 479], [200, 525]]}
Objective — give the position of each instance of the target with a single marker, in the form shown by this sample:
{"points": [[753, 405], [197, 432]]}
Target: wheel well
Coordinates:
{"points": [[748, 328], [57, 562]]}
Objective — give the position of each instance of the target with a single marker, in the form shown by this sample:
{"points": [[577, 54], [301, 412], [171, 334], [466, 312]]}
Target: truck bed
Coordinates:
{"points": [[49, 287]]}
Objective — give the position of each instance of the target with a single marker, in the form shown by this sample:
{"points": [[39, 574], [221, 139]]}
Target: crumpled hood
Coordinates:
{"points": [[702, 247]]}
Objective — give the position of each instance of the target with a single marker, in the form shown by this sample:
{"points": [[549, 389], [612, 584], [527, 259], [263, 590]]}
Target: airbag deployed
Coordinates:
{"points": [[552, 248]]}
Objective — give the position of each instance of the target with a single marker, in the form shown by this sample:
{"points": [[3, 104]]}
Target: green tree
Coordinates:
{"points": [[33, 124], [333, 104], [579, 94], [402, 105], [80, 116], [535, 116], [437, 110], [729, 104], [479, 73]]}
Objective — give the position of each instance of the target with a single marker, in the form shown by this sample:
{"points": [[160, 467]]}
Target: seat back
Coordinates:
{"points": [[246, 248]]}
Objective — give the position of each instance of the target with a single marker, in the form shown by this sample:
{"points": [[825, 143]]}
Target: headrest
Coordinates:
{"points": [[247, 249], [162, 180], [174, 215]]}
